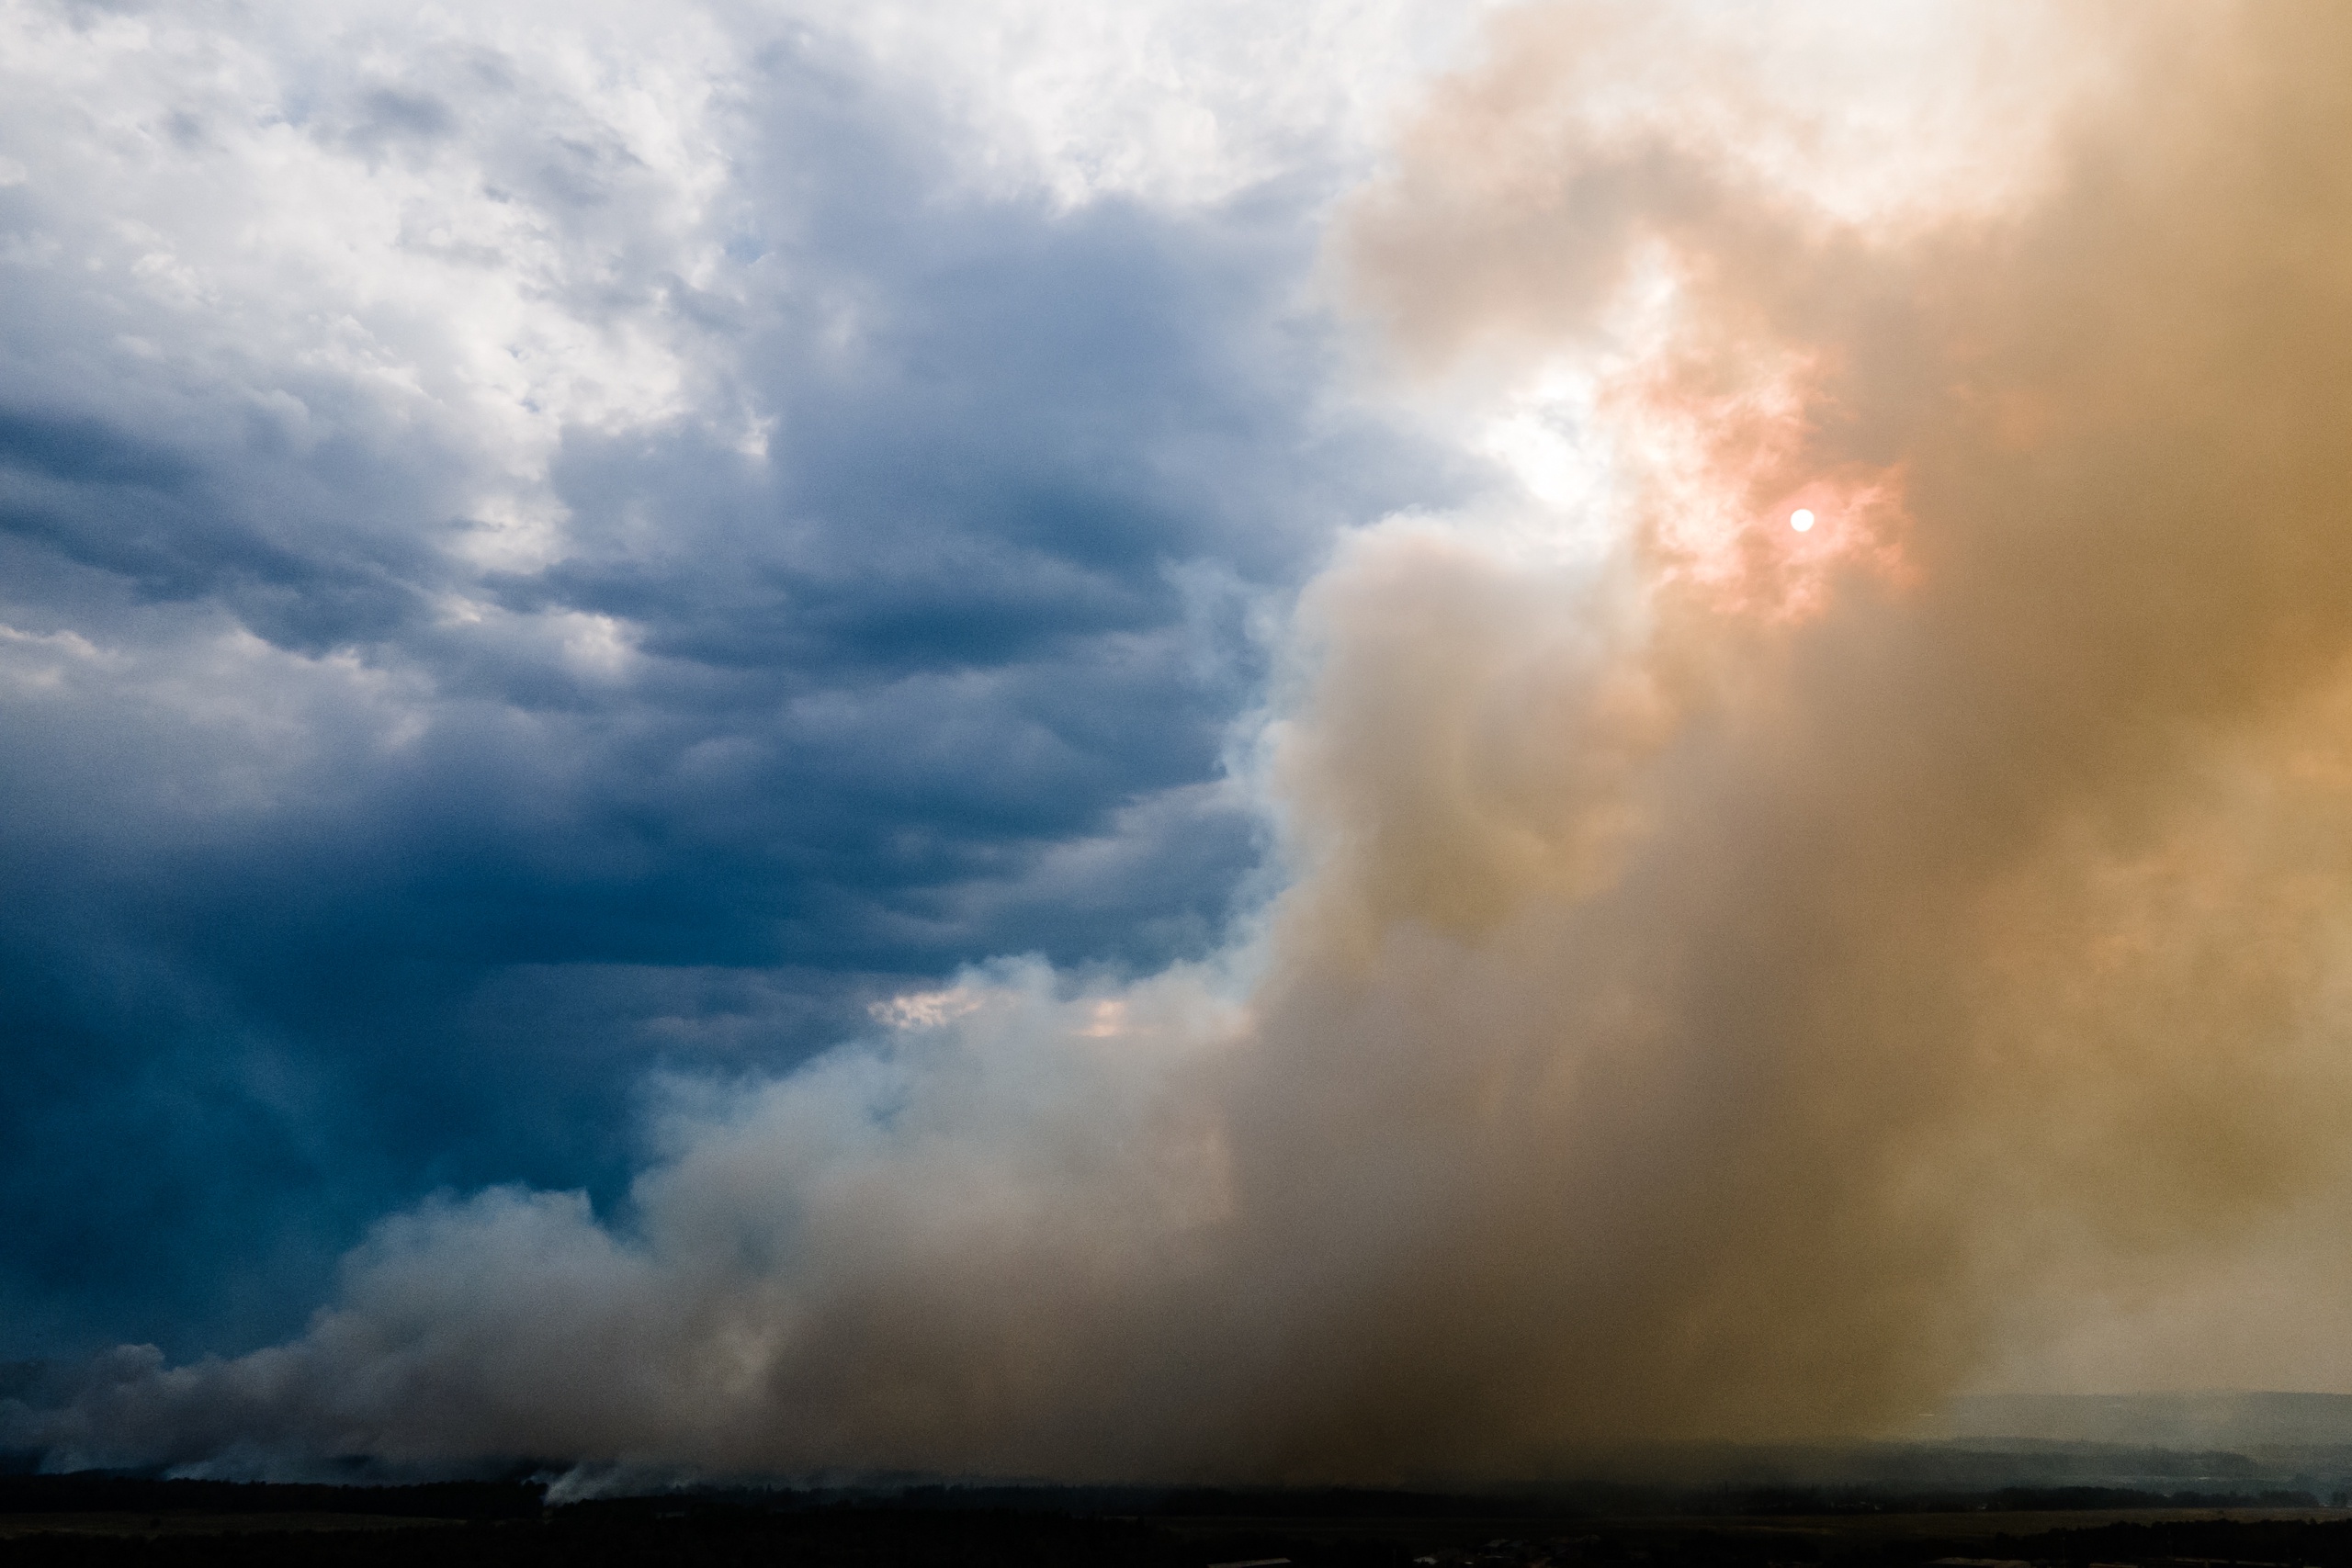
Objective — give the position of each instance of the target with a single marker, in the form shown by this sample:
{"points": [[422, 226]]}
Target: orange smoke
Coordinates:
{"points": [[1995, 891]]}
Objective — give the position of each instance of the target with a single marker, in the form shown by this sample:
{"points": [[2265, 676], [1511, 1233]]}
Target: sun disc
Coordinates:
{"points": [[1801, 519]]}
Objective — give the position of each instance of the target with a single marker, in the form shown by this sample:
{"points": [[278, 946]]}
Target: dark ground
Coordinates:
{"points": [[118, 1522]]}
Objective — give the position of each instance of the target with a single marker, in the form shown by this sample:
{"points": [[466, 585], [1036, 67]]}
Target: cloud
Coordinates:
{"points": [[538, 548], [1734, 982]]}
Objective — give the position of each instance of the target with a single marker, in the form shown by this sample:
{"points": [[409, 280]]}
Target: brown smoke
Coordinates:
{"points": [[1987, 911], [1744, 988]]}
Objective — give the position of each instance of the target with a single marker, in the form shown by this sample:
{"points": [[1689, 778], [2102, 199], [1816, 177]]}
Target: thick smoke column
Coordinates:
{"points": [[1737, 983]]}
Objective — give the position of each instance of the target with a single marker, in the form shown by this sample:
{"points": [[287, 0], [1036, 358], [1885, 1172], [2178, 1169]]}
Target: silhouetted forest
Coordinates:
{"points": [[126, 1522]]}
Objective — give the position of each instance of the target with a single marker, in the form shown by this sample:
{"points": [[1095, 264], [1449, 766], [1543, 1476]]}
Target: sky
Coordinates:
{"points": [[545, 548], [983, 739]]}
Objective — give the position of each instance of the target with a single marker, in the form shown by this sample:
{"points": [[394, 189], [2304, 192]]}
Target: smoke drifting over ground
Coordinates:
{"points": [[1736, 982]]}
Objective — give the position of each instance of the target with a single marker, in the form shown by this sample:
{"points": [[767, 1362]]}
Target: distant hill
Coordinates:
{"points": [[2212, 1420]]}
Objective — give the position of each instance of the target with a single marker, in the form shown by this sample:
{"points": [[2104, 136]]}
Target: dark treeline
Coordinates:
{"points": [[91, 1493], [95, 1494], [704, 1537], [1178, 1502], [840, 1537], [107, 1521], [1808, 1500]]}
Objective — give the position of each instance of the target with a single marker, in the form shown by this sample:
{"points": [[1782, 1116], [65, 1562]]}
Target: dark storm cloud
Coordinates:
{"points": [[336, 872], [170, 526]]}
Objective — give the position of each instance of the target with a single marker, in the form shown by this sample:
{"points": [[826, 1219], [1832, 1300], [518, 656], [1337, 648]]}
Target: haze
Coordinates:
{"points": [[998, 745]]}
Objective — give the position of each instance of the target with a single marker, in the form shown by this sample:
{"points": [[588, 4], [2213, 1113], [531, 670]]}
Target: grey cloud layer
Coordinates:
{"points": [[532, 552]]}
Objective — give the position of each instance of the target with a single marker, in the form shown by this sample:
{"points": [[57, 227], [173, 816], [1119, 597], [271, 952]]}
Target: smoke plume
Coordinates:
{"points": [[1734, 981]]}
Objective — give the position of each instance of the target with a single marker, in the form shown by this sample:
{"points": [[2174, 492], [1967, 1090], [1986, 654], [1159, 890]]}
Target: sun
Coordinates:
{"points": [[1801, 519]]}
